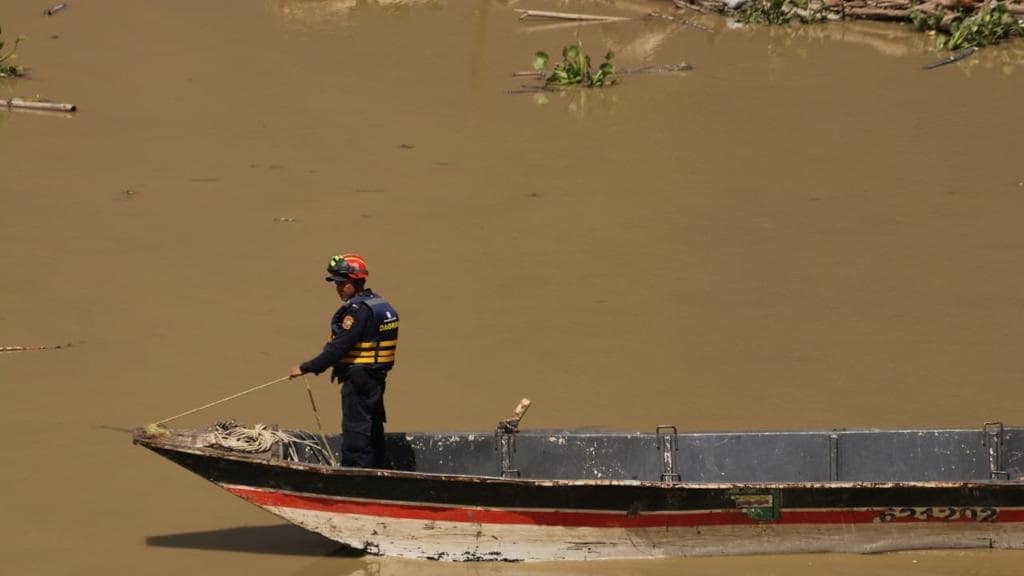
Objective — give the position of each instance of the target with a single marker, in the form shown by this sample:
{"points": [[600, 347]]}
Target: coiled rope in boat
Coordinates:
{"points": [[260, 438]]}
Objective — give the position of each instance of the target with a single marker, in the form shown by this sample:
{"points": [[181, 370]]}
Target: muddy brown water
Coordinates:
{"points": [[807, 231]]}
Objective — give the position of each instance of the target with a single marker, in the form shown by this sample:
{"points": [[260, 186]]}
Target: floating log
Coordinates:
{"points": [[38, 105], [55, 9], [524, 14]]}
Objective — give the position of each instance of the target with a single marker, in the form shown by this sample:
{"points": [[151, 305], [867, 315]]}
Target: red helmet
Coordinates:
{"points": [[346, 267]]}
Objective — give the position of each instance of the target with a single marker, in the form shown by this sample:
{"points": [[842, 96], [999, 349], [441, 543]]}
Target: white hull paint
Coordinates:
{"points": [[473, 541]]}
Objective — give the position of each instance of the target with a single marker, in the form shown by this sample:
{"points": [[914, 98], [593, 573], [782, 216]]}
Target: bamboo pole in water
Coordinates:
{"points": [[567, 16], [38, 105]]}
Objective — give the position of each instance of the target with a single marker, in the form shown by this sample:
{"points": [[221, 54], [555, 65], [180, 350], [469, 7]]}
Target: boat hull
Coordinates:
{"points": [[466, 518], [410, 531]]}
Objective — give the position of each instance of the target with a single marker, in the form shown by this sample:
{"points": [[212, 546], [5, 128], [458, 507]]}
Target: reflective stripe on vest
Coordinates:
{"points": [[382, 344]]}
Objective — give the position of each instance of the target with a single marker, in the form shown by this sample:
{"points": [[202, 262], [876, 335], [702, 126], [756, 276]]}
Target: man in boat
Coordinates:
{"points": [[361, 351]]}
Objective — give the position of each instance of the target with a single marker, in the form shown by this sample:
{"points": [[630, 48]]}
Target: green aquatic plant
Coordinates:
{"points": [[6, 68], [575, 68], [990, 25]]}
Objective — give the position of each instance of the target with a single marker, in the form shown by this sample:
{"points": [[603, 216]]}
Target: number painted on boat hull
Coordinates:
{"points": [[939, 514]]}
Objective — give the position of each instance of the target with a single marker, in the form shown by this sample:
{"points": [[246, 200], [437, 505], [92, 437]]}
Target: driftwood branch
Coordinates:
{"points": [[38, 105], [524, 14]]}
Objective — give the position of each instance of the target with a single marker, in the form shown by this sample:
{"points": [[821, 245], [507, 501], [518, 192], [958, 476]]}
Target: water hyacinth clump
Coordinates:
{"points": [[989, 26], [575, 68]]}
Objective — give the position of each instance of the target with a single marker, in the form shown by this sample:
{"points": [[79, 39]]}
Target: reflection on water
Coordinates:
{"points": [[1007, 59], [319, 12], [578, 101], [892, 564], [285, 539], [886, 39]]}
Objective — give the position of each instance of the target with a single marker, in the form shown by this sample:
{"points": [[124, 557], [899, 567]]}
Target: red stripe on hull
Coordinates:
{"points": [[582, 519]]}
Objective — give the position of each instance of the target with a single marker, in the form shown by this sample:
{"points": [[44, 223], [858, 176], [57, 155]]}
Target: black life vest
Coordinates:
{"points": [[380, 341]]}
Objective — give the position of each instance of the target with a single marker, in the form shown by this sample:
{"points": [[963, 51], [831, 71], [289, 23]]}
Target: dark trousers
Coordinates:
{"points": [[362, 418]]}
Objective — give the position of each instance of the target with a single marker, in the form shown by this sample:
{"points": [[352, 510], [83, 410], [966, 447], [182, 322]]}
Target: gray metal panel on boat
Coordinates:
{"points": [[745, 457], [559, 455], [731, 457], [1013, 452], [925, 455], [444, 453]]}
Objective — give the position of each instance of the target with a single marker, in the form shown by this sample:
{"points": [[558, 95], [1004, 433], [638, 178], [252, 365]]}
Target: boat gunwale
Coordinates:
{"points": [[141, 438]]}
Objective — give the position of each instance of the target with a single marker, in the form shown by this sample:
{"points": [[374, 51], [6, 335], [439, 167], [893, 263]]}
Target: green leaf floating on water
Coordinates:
{"points": [[540, 60]]}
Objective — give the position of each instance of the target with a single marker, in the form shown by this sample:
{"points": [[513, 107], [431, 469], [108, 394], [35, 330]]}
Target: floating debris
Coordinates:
{"points": [[44, 105], [284, 219], [950, 59], [34, 348], [55, 9], [524, 14]]}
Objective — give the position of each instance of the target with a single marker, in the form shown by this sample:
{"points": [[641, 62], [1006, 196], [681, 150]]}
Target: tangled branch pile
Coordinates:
{"points": [[6, 67], [960, 23]]}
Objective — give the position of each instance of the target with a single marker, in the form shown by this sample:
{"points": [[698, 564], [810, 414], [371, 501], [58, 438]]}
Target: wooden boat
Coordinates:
{"points": [[554, 495]]}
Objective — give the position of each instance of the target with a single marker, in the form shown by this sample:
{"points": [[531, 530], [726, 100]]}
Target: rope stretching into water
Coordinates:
{"points": [[222, 400]]}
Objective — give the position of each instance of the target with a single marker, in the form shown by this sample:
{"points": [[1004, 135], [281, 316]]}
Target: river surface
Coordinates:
{"points": [[806, 231]]}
